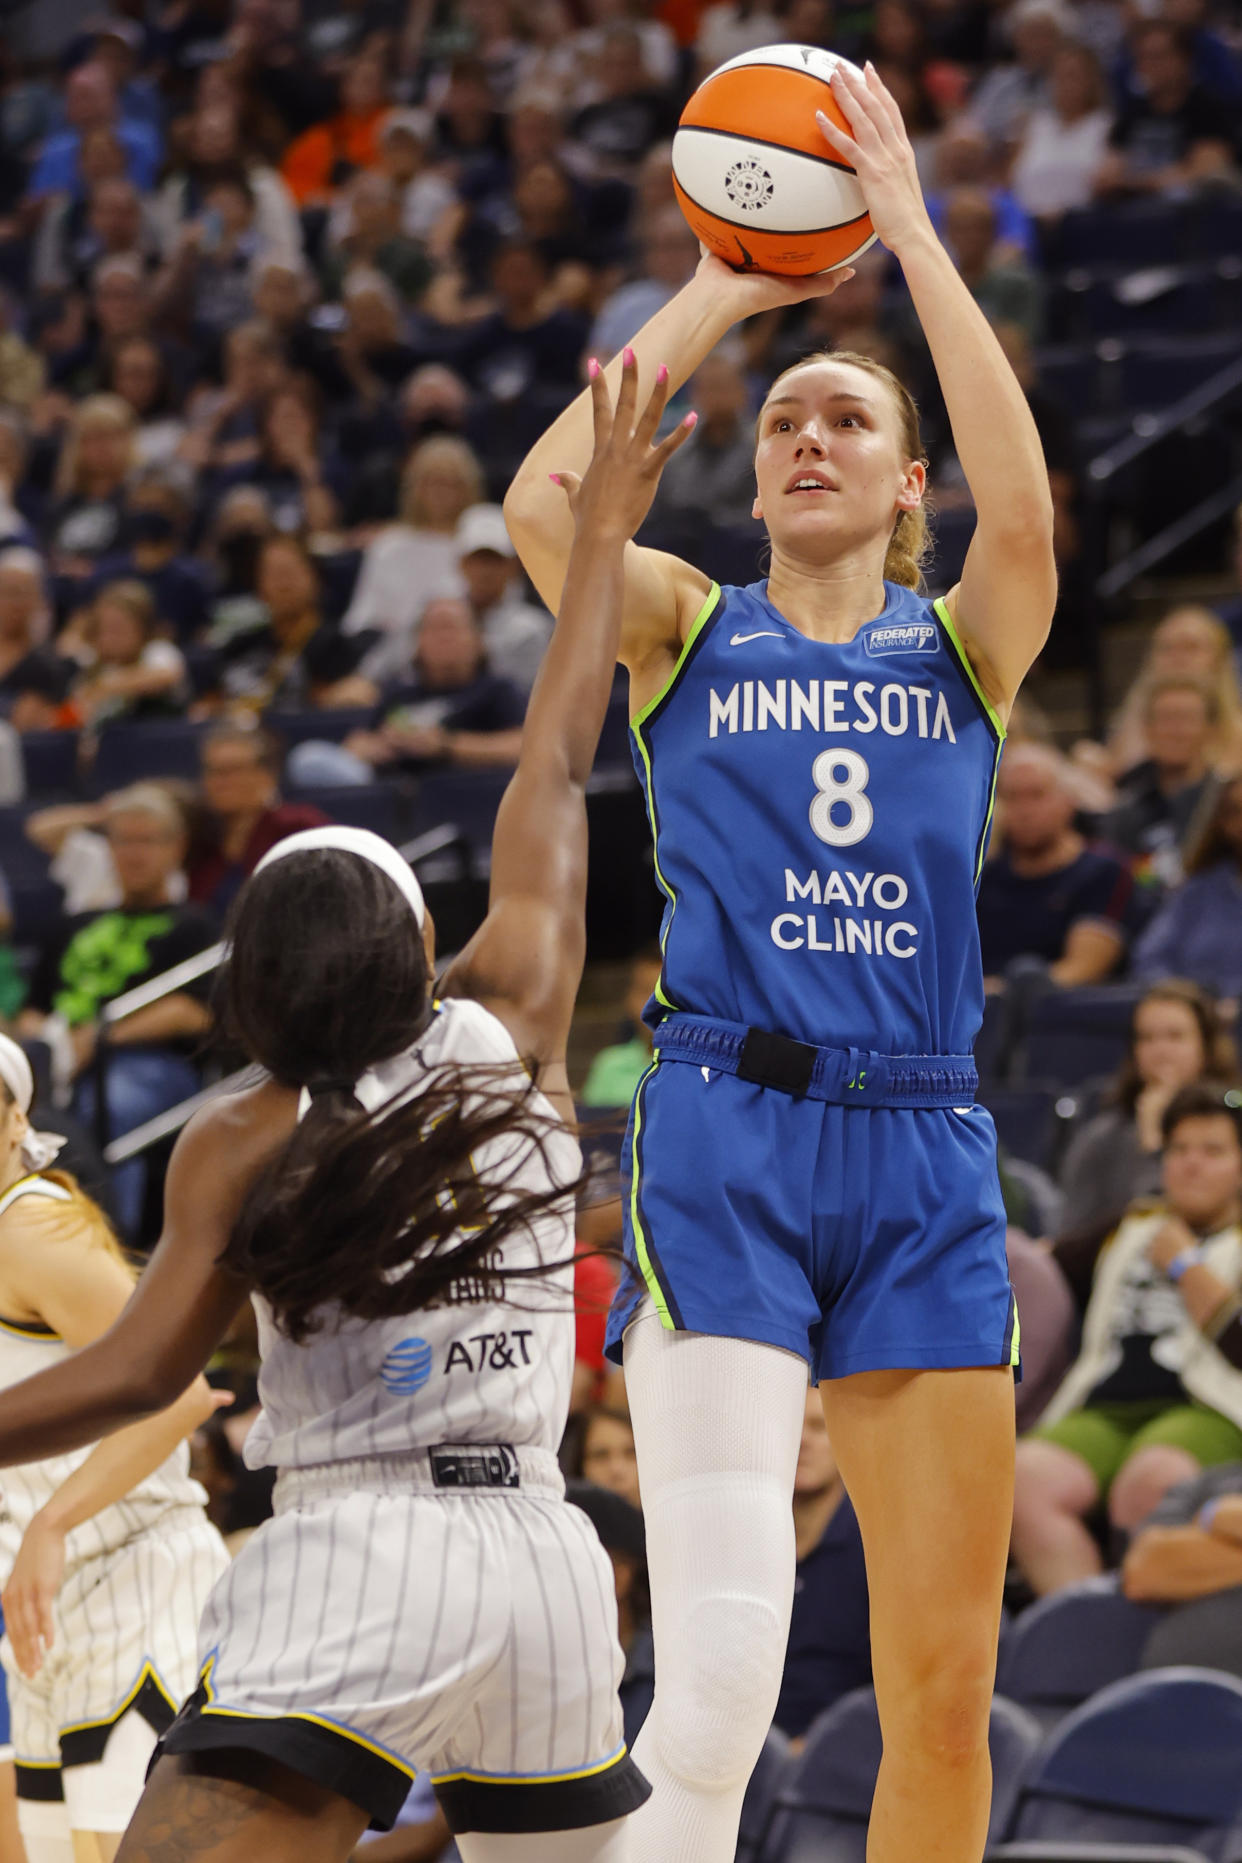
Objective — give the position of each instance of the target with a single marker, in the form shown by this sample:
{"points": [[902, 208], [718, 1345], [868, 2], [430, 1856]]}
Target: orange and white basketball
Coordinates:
{"points": [[754, 176]]}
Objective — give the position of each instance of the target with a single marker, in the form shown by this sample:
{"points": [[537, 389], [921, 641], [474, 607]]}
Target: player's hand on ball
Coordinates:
{"points": [[615, 493], [748, 294], [879, 152], [31, 1592]]}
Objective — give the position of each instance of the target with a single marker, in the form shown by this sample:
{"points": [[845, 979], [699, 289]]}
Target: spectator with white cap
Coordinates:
{"points": [[405, 137], [1038, 29], [515, 632]]}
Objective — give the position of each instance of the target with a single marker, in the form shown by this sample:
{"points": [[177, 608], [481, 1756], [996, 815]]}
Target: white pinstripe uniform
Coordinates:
{"points": [[386, 1621], [126, 1617]]}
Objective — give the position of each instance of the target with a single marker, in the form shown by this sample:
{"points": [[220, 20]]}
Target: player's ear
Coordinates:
{"points": [[913, 486], [756, 509]]}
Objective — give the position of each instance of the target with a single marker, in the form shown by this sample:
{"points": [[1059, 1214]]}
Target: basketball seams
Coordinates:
{"points": [[766, 142]]}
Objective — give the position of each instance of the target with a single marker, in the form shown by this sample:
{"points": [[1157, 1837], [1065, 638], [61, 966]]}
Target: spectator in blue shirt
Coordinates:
{"points": [[829, 1649], [1046, 894], [154, 526], [1197, 933], [453, 710], [91, 104]]}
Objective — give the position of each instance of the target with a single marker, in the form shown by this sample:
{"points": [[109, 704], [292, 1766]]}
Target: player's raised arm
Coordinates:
{"points": [[1004, 602], [525, 962], [661, 594]]}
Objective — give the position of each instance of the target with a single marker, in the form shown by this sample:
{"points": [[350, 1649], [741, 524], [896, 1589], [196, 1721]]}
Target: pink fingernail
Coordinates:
{"points": [[555, 477], [592, 368], [691, 420], [662, 374], [628, 358]]}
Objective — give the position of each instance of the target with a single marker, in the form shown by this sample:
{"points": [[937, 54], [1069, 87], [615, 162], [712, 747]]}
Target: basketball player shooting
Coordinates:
{"points": [[810, 1183], [397, 1195]]}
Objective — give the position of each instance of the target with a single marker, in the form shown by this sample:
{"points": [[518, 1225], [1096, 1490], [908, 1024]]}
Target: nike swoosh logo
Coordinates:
{"points": [[765, 633]]}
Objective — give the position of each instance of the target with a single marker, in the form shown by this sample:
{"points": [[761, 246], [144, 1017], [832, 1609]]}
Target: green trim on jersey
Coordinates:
{"points": [[942, 609], [644, 717], [1015, 1350], [641, 1249], [998, 729]]}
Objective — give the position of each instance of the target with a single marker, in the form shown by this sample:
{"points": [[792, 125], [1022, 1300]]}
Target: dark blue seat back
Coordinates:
{"points": [[376, 806], [36, 898], [1155, 1758], [133, 753], [823, 1808], [1070, 1645], [1026, 1119], [333, 726], [765, 1781], [468, 799], [50, 760], [1077, 1035]]}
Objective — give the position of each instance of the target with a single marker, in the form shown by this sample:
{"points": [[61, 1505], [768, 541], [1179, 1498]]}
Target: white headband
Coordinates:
{"points": [[366, 846], [38, 1148]]}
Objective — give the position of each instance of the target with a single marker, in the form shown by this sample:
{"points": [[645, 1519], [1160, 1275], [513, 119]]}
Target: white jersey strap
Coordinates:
{"points": [[34, 1186]]}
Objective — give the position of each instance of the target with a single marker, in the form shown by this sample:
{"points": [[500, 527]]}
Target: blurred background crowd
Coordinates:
{"points": [[287, 290]]}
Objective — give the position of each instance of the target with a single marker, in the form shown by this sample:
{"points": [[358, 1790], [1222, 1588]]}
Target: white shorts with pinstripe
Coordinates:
{"points": [[380, 1624], [126, 1637]]}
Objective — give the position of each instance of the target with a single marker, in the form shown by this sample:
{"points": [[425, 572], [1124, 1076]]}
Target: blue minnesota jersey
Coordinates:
{"points": [[821, 814]]}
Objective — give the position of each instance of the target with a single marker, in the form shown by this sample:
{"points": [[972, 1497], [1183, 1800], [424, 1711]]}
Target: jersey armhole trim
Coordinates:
{"points": [[639, 724], [689, 647], [990, 712], [30, 1329]]}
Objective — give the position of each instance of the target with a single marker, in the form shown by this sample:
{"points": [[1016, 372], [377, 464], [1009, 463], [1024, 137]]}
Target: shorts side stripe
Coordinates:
{"points": [[315, 1720], [644, 1249], [1011, 1351], [530, 1778]]}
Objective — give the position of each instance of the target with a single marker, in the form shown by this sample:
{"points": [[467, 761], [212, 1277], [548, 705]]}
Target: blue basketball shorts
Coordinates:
{"points": [[861, 1238]]}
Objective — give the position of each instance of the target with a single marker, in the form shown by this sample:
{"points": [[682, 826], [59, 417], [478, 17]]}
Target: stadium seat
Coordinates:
{"points": [[612, 758], [1078, 1035], [1026, 1119], [952, 531], [376, 806], [50, 760], [1156, 372], [467, 799], [821, 1811], [1070, 1645], [36, 898], [1121, 236], [134, 752], [333, 726], [1154, 1759], [1036, 1852], [757, 1806]]}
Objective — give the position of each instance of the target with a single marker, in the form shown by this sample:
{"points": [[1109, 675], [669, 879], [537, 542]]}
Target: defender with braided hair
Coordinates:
{"points": [[397, 1197], [809, 1181]]}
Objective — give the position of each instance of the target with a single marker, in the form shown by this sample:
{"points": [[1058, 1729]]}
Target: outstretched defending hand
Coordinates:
{"points": [[880, 154], [615, 494]]}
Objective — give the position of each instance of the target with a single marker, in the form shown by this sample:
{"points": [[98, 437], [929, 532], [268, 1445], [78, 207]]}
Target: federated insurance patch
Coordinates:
{"points": [[904, 637]]}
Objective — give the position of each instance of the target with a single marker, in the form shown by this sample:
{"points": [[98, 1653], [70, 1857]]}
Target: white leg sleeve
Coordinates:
{"points": [[717, 1425], [596, 1843], [45, 1831], [104, 1795]]}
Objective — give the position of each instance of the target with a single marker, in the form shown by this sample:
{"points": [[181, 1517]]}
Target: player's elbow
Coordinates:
{"points": [[1025, 525], [523, 507]]}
